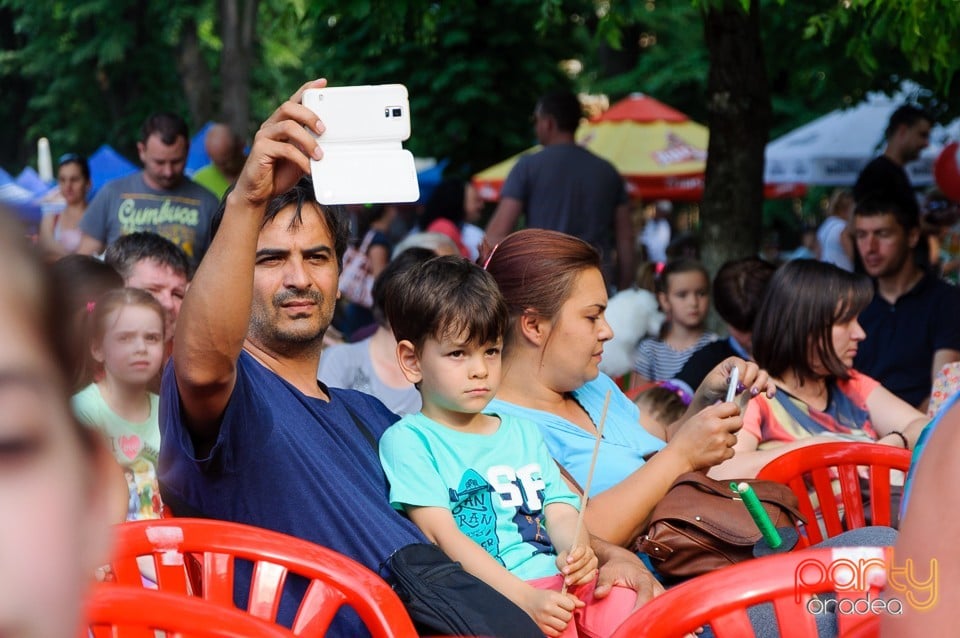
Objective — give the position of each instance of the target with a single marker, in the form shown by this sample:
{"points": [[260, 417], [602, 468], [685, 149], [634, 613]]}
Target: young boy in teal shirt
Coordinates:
{"points": [[483, 486]]}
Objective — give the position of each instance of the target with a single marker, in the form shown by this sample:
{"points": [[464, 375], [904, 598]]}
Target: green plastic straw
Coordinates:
{"points": [[759, 515]]}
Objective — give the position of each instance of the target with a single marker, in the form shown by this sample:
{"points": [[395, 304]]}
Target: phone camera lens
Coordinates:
{"points": [[396, 112]]}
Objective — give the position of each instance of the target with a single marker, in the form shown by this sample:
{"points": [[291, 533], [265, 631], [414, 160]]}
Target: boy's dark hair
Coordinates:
{"points": [[805, 298], [564, 107], [128, 250], [335, 217], [872, 206], [169, 126], [446, 297], [906, 115], [382, 285], [738, 290]]}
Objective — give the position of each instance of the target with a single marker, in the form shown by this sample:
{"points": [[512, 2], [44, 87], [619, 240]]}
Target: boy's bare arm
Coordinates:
{"points": [[575, 556]]}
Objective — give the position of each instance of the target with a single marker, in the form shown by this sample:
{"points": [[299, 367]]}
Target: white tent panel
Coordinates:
{"points": [[833, 149]]}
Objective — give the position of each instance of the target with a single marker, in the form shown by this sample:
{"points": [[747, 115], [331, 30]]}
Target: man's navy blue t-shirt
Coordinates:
{"points": [[291, 463], [902, 337]]}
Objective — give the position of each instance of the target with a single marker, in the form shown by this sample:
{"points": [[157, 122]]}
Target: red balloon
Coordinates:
{"points": [[946, 171]]}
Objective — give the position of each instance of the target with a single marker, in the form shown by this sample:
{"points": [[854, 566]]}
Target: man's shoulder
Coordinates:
{"points": [[880, 164], [189, 188], [941, 287], [573, 153], [364, 407], [942, 297], [207, 171], [878, 168], [113, 188]]}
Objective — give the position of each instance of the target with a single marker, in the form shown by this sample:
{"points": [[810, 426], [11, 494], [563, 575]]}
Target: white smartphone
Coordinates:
{"points": [[364, 161]]}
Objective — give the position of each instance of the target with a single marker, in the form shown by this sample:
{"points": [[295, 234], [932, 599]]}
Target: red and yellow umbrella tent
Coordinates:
{"points": [[660, 152]]}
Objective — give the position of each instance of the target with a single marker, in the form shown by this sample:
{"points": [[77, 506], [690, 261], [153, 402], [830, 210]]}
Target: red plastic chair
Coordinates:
{"points": [[173, 544], [118, 611], [821, 465], [789, 581], [869, 628]]}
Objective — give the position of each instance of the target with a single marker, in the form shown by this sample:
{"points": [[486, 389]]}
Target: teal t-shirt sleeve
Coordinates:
{"points": [[556, 490], [411, 469]]}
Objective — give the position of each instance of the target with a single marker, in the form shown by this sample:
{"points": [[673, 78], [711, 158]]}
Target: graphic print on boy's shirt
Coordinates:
{"points": [[474, 510]]}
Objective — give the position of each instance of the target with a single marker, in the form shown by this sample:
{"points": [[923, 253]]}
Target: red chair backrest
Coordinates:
{"points": [[114, 611], [869, 628], [789, 581], [335, 580], [821, 465]]}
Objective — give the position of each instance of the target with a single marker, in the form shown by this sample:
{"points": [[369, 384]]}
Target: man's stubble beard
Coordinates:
{"points": [[266, 333]]}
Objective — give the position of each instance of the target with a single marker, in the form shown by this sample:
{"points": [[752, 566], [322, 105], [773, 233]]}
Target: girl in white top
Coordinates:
{"points": [[127, 348]]}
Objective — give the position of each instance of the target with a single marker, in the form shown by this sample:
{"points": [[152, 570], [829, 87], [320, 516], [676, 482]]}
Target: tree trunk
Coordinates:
{"points": [[237, 22], [195, 76], [739, 114]]}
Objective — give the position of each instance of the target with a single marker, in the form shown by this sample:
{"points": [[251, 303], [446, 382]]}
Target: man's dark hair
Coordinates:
{"points": [[739, 288], [169, 126], [872, 206], [335, 217], [906, 115], [564, 107], [382, 285], [446, 297], [128, 250]]}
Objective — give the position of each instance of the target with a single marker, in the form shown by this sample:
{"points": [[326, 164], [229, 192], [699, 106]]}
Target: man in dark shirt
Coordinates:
{"points": [[567, 188], [908, 133], [911, 323]]}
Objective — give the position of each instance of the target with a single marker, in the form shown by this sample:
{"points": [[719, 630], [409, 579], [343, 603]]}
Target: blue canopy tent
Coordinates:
{"points": [[30, 180], [197, 156], [21, 201], [428, 179], [107, 164]]}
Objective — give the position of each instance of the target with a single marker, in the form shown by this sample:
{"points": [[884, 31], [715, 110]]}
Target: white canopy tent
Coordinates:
{"points": [[832, 150]]}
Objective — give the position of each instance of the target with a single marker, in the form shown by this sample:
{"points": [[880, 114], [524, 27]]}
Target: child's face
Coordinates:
{"points": [[132, 348], [687, 299], [457, 378]]}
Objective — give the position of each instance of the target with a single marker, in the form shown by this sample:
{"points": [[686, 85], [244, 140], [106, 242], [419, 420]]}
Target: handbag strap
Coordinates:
{"points": [[567, 475], [767, 491], [364, 430]]}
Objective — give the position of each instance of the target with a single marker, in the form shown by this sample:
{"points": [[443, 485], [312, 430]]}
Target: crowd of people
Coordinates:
{"points": [[192, 366]]}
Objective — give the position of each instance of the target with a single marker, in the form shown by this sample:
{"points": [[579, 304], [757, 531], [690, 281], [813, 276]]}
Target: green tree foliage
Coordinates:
{"points": [[922, 31], [87, 71], [92, 69], [473, 69]]}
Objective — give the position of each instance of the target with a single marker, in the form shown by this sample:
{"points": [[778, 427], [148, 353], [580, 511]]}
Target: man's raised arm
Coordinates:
{"points": [[216, 310]]}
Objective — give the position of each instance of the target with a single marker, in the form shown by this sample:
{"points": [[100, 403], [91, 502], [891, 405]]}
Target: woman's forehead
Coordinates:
{"points": [[588, 288]]}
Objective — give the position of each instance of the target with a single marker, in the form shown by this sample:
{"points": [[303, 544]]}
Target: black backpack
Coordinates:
{"points": [[443, 599]]}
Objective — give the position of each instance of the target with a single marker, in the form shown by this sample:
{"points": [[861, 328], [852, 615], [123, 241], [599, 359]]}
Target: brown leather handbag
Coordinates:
{"points": [[701, 525]]}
